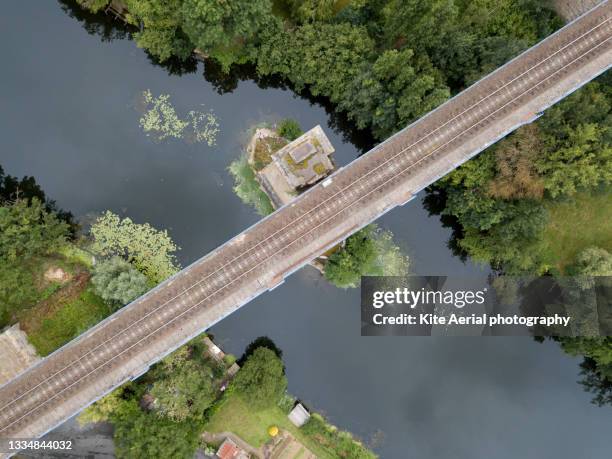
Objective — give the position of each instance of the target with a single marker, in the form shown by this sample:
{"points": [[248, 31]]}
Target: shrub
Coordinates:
{"points": [[289, 129], [229, 359], [117, 282]]}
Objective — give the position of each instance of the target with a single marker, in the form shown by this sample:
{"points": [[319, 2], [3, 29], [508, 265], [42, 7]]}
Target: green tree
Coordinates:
{"points": [[184, 392], [117, 282], [595, 383], [421, 25], [261, 381], [28, 230], [577, 137], [312, 10], [160, 27], [146, 436], [148, 249], [220, 29], [324, 57], [393, 91], [593, 261], [582, 160], [93, 5], [368, 252], [109, 408], [346, 266], [598, 349]]}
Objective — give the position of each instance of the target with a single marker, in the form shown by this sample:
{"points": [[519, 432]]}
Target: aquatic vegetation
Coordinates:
{"points": [[204, 126], [247, 188], [161, 121]]}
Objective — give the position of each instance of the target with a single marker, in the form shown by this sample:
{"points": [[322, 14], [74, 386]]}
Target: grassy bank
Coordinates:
{"points": [[234, 415], [575, 224], [59, 319]]}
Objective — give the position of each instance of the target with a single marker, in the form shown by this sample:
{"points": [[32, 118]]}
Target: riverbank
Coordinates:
{"points": [[201, 397]]}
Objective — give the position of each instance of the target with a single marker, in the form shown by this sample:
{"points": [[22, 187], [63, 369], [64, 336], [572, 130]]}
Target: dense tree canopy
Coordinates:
{"points": [[220, 29], [160, 24], [149, 250], [138, 437], [184, 387], [261, 381], [393, 91], [28, 230]]}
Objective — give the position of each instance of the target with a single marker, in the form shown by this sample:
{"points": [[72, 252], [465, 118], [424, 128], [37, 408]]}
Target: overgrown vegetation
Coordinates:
{"points": [[161, 414], [369, 252], [289, 129], [247, 187], [48, 281], [28, 233], [63, 320]]}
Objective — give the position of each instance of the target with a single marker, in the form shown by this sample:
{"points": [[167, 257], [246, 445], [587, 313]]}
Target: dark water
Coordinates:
{"points": [[68, 118]]}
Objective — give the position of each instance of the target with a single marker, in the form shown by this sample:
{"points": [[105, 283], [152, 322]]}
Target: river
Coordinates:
{"points": [[68, 117]]}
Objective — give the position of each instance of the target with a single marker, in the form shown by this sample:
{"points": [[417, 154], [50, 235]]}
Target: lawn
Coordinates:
{"points": [[236, 416], [51, 324], [581, 222]]}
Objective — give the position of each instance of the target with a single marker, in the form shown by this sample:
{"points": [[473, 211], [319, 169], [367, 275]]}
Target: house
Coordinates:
{"points": [[230, 450]]}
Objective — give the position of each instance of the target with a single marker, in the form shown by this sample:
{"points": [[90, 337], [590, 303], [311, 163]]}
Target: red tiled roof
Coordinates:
{"points": [[228, 450]]}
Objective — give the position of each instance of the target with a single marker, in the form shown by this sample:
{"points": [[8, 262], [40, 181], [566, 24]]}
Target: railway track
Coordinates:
{"points": [[123, 346]]}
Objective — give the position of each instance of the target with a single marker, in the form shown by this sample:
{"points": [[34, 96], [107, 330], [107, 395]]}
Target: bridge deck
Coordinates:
{"points": [[123, 346]]}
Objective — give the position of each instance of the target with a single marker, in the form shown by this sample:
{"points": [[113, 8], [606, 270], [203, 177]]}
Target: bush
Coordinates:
{"points": [[289, 129], [118, 282]]}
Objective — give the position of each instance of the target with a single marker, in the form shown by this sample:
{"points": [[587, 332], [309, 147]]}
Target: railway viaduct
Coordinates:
{"points": [[124, 345]]}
